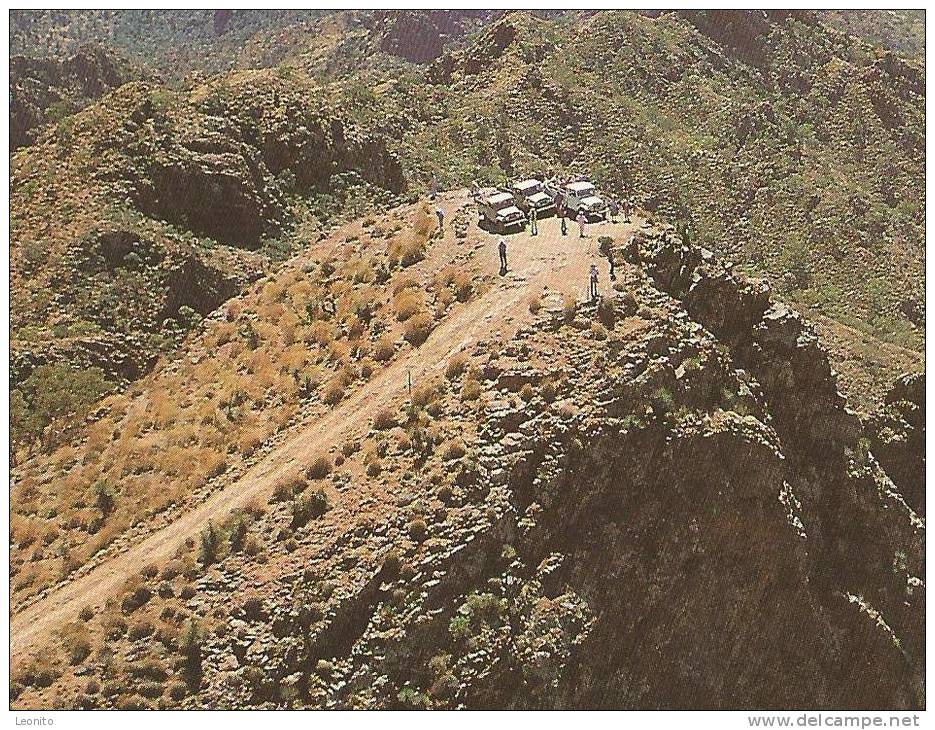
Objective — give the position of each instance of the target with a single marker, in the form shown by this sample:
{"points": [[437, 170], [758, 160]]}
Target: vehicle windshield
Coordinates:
{"points": [[504, 205], [532, 189], [586, 192]]}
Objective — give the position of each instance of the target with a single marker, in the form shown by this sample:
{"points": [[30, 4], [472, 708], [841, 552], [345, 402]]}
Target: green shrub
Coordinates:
{"points": [[103, 495], [418, 530], [208, 544], [662, 400], [53, 392], [238, 534], [190, 645]]}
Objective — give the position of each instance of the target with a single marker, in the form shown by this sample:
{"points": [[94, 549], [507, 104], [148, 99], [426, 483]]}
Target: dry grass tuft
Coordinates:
{"points": [[456, 365], [384, 349], [418, 328], [407, 304], [384, 419]]}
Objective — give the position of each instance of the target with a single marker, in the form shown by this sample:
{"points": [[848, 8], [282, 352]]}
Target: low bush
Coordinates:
{"points": [[384, 419], [418, 328], [333, 391], [384, 349], [629, 303], [310, 507], [453, 450], [456, 365], [287, 487], [319, 468], [141, 629], [77, 643], [418, 530], [407, 305], [208, 545], [606, 312], [569, 307], [152, 669], [471, 390]]}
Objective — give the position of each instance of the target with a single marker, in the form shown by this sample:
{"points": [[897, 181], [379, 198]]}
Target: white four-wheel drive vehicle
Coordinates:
{"points": [[579, 195], [500, 211], [529, 194]]}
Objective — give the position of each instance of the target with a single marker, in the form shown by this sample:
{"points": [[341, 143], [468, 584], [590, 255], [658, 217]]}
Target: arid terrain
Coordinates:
{"points": [[281, 441]]}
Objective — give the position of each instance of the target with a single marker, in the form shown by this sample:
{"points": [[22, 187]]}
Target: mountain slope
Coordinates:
{"points": [[472, 543], [149, 209], [795, 150]]}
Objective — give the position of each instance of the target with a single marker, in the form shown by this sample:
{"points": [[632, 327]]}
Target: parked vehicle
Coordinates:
{"points": [[500, 212], [579, 195], [528, 194]]}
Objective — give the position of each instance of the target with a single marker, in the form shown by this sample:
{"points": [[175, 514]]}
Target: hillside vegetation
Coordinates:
{"points": [[791, 147], [136, 217], [282, 438]]}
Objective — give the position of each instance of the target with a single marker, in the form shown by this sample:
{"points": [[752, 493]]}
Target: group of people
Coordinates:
{"points": [[593, 274]]}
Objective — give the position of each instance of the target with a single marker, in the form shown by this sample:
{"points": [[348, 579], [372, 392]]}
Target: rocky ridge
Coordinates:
{"points": [[661, 501]]}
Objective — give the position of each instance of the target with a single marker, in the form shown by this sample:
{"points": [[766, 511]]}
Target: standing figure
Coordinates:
{"points": [[502, 248], [581, 220], [613, 208], [533, 220], [441, 218], [594, 276]]}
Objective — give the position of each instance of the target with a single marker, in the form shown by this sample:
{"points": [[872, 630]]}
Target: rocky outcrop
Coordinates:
{"points": [[481, 54], [45, 90], [223, 165], [422, 36], [897, 437], [849, 504]]}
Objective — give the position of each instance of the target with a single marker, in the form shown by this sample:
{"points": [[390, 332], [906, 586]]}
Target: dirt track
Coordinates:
{"points": [[548, 260]]}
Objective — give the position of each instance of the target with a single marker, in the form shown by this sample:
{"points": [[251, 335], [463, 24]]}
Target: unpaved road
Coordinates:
{"points": [[550, 260]]}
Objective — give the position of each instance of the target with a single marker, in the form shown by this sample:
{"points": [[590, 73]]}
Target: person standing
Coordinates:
{"points": [[626, 210], [533, 220], [614, 209], [594, 276], [581, 220], [434, 187], [561, 215], [441, 218], [502, 248]]}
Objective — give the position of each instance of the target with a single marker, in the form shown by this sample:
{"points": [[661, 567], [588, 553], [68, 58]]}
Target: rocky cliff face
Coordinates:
{"points": [[680, 517], [223, 164]]}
